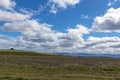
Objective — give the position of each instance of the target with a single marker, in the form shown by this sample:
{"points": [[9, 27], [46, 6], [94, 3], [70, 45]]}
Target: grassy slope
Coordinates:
{"points": [[20, 65]]}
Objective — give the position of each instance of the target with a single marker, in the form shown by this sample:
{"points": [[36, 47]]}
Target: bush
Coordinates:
{"points": [[12, 49]]}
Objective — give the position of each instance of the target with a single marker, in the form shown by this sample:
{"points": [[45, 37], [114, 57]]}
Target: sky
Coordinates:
{"points": [[71, 26]]}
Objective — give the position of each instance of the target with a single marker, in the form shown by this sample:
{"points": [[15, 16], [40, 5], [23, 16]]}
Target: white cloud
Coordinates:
{"points": [[6, 42], [64, 3], [109, 22], [39, 36], [55, 4], [108, 45], [33, 30], [84, 16], [77, 33], [53, 9], [7, 4], [21, 26], [73, 39], [13, 16], [110, 4]]}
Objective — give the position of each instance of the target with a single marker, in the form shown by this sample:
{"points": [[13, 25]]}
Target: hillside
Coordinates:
{"points": [[22, 65], [90, 55]]}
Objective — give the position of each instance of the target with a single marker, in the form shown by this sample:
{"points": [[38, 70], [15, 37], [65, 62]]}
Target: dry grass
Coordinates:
{"points": [[17, 65]]}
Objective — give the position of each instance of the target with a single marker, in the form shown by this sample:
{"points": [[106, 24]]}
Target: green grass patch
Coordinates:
{"points": [[22, 65]]}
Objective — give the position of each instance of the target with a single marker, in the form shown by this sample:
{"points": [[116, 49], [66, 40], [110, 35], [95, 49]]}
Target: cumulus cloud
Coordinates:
{"points": [[7, 4], [35, 36], [73, 39], [102, 45], [109, 22], [65, 3], [31, 29], [21, 26], [6, 42], [55, 4], [76, 33], [12, 16], [40, 36]]}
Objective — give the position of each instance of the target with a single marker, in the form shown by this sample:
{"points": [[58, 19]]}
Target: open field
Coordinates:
{"points": [[20, 65]]}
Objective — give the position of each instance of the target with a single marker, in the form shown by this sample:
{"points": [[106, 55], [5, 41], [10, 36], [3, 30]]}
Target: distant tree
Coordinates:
{"points": [[12, 49]]}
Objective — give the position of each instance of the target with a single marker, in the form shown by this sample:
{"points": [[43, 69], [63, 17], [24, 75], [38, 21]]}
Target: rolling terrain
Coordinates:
{"points": [[23, 65], [90, 55]]}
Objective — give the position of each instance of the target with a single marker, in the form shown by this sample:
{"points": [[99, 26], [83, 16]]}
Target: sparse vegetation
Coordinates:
{"points": [[20, 65]]}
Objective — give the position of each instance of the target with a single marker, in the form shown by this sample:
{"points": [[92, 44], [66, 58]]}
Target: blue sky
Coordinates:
{"points": [[88, 26]]}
